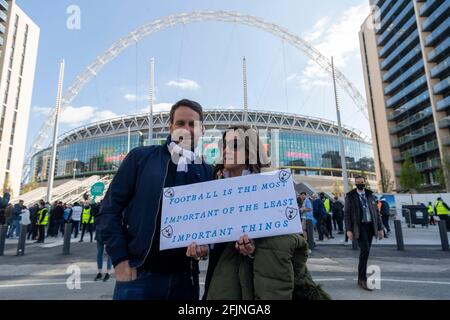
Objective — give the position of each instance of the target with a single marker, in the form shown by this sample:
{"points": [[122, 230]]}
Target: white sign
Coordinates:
{"points": [[259, 205]]}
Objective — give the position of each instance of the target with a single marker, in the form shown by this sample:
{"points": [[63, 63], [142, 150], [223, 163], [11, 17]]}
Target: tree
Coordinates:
{"points": [[443, 173], [410, 177], [386, 184], [30, 187]]}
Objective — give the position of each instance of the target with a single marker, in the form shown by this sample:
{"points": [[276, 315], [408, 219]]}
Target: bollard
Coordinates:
{"points": [[22, 240], [67, 235], [444, 236], [399, 235], [310, 233], [3, 230]]}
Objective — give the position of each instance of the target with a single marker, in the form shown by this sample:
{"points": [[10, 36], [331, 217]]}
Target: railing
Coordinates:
{"points": [[409, 105], [394, 54], [411, 120], [406, 29], [407, 90], [428, 165], [443, 104], [428, 6], [403, 61], [439, 50], [405, 76], [414, 135], [4, 5], [432, 20], [442, 86], [440, 68], [424, 148], [439, 31], [394, 25]]}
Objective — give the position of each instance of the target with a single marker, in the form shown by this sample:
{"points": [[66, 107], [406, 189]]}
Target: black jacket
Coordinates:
{"points": [[352, 213], [128, 214]]}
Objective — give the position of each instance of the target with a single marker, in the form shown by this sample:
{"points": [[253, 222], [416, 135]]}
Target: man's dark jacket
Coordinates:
{"points": [[128, 215], [319, 210], [353, 213]]}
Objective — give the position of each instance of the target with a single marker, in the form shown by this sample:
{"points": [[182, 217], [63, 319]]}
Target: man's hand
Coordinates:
{"points": [[245, 245], [124, 273], [197, 252], [350, 235], [380, 234]]}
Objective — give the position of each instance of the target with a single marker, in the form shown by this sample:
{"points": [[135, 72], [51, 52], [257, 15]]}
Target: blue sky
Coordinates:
{"points": [[200, 61]]}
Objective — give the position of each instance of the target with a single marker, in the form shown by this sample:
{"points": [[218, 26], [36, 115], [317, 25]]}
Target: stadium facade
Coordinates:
{"points": [[309, 146]]}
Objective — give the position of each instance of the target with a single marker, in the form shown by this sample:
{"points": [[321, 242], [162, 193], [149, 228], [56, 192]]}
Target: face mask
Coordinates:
{"points": [[360, 186]]}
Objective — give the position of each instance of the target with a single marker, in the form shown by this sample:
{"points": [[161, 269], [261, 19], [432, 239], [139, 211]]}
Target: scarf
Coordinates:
{"points": [[184, 156]]}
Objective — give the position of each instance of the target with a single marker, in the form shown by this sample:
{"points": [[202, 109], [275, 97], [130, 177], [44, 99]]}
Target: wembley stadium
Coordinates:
{"points": [[307, 145]]}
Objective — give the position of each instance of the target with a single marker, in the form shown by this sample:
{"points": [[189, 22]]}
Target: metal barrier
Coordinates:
{"points": [[3, 230], [22, 240], [399, 235], [444, 235], [67, 236]]}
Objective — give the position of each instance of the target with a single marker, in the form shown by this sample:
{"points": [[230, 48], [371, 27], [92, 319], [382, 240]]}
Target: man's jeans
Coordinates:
{"points": [[100, 251], [152, 286], [15, 226]]}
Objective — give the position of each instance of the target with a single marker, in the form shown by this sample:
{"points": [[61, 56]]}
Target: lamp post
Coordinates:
{"points": [[74, 167]]}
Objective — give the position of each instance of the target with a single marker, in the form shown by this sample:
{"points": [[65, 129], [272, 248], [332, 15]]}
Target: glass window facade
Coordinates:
{"points": [[306, 153]]}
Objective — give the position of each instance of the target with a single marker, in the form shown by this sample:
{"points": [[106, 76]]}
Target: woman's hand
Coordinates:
{"points": [[245, 246], [197, 252]]}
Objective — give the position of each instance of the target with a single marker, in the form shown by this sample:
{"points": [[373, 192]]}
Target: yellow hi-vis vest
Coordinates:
{"points": [[440, 209], [44, 212], [327, 205], [86, 216], [430, 210]]}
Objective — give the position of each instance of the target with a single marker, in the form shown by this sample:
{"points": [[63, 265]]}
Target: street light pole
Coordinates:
{"points": [[152, 98], [51, 174], [341, 138]]}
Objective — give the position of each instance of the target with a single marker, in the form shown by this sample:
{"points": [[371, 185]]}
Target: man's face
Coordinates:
{"points": [[360, 181], [183, 129], [303, 196]]}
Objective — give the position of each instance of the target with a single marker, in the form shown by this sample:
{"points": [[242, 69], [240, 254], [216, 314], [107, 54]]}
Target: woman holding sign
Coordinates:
{"points": [[262, 269]]}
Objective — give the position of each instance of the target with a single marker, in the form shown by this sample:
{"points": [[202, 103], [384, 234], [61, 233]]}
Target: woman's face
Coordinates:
{"points": [[233, 151]]}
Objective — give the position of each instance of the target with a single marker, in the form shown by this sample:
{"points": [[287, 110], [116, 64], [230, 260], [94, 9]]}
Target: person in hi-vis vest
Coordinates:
{"points": [[42, 221], [87, 221], [431, 213], [442, 210]]}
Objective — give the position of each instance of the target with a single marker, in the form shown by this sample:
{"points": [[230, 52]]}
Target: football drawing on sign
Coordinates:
{"points": [[170, 193], [291, 213], [167, 232], [284, 175]]}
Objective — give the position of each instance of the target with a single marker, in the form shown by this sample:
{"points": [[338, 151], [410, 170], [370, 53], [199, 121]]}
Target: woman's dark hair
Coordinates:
{"points": [[249, 152], [188, 104]]}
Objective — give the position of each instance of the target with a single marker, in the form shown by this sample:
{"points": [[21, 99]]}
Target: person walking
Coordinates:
{"points": [[442, 211], [87, 220], [15, 220], [431, 213], [320, 214], [130, 215], [363, 223], [4, 201], [306, 210], [385, 215], [100, 252], [32, 233], [338, 215], [328, 219], [25, 217], [59, 218], [75, 218], [42, 221]]}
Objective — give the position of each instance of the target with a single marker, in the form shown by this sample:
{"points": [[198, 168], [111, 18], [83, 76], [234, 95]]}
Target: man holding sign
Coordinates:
{"points": [[130, 216]]}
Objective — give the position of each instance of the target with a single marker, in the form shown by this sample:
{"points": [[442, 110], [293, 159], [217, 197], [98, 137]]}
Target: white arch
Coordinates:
{"points": [[185, 18]]}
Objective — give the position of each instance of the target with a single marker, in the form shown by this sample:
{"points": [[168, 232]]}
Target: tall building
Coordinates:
{"points": [[19, 38], [405, 46]]}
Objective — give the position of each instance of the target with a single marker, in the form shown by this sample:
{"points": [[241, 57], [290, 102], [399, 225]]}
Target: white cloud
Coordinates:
{"points": [[340, 40], [159, 107], [133, 98], [77, 116], [41, 111], [184, 84]]}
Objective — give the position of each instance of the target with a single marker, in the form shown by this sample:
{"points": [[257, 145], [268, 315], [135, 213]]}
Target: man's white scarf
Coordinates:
{"points": [[183, 156]]}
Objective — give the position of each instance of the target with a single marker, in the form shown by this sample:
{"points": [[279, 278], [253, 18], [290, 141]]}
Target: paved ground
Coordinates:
{"points": [[420, 272]]}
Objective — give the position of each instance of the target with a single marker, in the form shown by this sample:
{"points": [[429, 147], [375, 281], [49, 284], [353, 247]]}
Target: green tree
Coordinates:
{"points": [[410, 177], [386, 184], [443, 173]]}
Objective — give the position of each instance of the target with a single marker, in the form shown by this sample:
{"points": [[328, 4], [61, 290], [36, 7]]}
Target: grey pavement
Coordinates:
{"points": [[419, 272]]}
